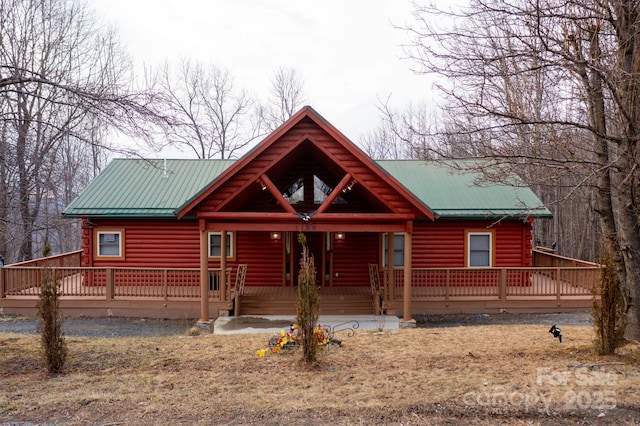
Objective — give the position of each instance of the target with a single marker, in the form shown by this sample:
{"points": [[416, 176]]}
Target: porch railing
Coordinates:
{"points": [[545, 257], [495, 283], [18, 281], [65, 260], [111, 283]]}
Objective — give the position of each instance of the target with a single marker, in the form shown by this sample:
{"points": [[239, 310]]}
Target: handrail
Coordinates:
{"points": [[69, 259], [545, 257]]}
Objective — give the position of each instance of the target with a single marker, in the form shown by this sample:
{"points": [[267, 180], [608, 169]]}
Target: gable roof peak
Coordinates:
{"points": [[283, 131]]}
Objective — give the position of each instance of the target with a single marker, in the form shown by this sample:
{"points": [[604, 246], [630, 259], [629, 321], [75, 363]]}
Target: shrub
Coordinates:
{"points": [[609, 310], [308, 303], [54, 348]]}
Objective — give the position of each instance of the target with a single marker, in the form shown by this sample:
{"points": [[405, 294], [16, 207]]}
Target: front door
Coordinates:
{"points": [[317, 244]]}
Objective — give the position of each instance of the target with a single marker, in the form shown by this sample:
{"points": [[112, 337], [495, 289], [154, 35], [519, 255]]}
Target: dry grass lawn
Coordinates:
{"points": [[484, 375]]}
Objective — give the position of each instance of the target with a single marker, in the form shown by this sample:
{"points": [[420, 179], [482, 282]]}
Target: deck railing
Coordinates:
{"points": [[110, 283], [495, 283], [65, 260], [182, 284], [544, 257]]}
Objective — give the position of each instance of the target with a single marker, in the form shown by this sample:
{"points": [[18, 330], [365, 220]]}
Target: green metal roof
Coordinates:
{"points": [[142, 188], [450, 192]]}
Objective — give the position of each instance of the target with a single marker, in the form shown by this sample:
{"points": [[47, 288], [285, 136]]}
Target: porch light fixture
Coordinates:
{"points": [[275, 235], [349, 187], [262, 185], [339, 235]]}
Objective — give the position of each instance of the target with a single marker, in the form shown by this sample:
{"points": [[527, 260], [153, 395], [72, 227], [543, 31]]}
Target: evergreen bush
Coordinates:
{"points": [[308, 303], [54, 348]]}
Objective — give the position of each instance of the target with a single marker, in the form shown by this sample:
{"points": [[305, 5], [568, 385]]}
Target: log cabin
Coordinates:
{"points": [[306, 177]]}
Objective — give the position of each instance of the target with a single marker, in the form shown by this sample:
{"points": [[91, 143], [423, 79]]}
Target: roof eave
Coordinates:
{"points": [[165, 215], [492, 215]]}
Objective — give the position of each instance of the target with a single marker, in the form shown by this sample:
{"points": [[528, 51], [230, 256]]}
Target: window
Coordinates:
{"points": [[398, 250], [295, 193], [214, 245], [479, 249], [109, 244]]}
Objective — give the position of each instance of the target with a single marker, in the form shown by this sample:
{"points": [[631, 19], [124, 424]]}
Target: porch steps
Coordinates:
{"points": [[357, 304]]}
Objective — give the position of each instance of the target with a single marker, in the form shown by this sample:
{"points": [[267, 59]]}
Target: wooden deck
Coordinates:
{"points": [[358, 300], [176, 293]]}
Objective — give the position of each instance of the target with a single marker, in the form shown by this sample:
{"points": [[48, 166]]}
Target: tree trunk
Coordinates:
{"points": [[616, 232], [627, 26], [24, 184], [4, 196]]}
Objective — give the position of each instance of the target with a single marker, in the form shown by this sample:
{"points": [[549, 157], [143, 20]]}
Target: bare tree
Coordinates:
{"points": [[61, 77], [211, 118], [72, 167], [584, 55], [287, 97], [401, 133], [382, 143]]}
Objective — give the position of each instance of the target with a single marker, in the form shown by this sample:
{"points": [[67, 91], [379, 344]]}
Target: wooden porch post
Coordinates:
{"points": [[407, 275], [204, 274], [110, 283], [391, 280], [223, 266]]}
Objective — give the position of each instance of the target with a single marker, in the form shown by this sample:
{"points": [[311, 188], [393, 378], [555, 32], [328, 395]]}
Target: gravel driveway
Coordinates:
{"points": [[137, 327], [103, 327], [456, 320]]}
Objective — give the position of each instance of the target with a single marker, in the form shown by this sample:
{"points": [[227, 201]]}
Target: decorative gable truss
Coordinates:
{"points": [[307, 173]]}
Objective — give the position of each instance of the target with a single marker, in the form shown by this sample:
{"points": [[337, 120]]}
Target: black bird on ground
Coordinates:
{"points": [[556, 332]]}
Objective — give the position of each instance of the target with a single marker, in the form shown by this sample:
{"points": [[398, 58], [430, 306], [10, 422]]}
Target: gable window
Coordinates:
{"points": [[215, 239], [295, 194], [109, 244], [398, 250], [479, 249]]}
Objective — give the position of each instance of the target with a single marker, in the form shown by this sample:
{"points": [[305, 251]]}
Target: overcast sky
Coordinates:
{"points": [[347, 51]]}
